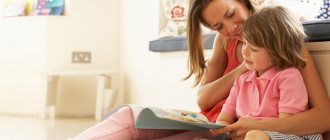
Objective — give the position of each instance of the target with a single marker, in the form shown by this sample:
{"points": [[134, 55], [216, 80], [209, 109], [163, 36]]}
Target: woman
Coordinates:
{"points": [[227, 18], [216, 78]]}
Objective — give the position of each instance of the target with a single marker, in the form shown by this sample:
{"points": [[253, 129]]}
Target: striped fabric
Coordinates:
{"points": [[281, 136]]}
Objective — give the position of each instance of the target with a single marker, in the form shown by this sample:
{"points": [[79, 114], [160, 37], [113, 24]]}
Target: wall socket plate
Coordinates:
{"points": [[81, 57]]}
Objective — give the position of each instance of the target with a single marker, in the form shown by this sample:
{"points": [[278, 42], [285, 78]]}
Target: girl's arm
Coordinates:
{"points": [[225, 119], [214, 85]]}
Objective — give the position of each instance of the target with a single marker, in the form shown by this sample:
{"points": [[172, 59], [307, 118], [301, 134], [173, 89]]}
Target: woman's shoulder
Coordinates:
{"points": [[219, 49], [221, 41]]}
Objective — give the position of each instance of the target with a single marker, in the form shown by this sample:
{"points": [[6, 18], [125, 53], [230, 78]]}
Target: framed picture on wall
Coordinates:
{"points": [[11, 8], [48, 7]]}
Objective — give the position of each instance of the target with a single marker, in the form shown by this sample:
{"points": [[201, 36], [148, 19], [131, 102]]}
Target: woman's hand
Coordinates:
{"points": [[238, 129], [242, 67]]}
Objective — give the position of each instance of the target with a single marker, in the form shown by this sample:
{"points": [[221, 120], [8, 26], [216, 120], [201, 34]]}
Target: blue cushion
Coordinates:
{"points": [[168, 44], [317, 30]]}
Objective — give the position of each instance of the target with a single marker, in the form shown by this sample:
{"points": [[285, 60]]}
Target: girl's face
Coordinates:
{"points": [[256, 58], [226, 17]]}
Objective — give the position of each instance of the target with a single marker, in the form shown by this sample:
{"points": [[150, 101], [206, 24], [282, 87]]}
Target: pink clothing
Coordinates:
{"points": [[120, 126], [266, 96], [232, 63]]}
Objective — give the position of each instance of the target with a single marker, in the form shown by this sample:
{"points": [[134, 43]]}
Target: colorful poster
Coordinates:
{"points": [[48, 7]]}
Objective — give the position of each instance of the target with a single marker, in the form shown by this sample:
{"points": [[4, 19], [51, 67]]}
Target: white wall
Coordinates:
{"points": [[87, 26], [21, 52], [151, 78], [32, 45]]}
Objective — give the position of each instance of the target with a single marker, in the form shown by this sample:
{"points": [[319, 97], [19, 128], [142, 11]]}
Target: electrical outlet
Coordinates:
{"points": [[81, 57]]}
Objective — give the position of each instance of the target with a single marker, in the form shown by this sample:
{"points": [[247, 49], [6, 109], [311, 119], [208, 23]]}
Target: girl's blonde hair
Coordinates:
{"points": [[282, 34], [196, 61]]}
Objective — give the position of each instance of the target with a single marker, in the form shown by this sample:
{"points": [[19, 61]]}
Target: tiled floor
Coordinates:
{"points": [[33, 128]]}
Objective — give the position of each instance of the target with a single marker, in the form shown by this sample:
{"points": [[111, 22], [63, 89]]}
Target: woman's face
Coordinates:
{"points": [[226, 17]]}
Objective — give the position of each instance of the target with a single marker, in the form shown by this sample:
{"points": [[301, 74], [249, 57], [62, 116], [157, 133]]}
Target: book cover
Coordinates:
{"points": [[159, 118]]}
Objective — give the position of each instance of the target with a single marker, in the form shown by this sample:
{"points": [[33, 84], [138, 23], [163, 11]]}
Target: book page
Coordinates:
{"points": [[159, 118], [180, 115]]}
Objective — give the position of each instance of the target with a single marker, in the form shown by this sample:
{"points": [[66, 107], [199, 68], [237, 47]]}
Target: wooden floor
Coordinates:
{"points": [[33, 128]]}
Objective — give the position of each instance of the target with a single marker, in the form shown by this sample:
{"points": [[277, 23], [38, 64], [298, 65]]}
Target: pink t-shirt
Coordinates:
{"points": [[268, 95]]}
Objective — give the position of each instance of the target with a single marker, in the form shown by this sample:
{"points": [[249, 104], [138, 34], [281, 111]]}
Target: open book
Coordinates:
{"points": [[159, 118]]}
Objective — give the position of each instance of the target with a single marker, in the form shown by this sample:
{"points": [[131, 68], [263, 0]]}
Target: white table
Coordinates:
{"points": [[104, 79]]}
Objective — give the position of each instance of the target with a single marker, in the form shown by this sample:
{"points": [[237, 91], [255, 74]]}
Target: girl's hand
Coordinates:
{"points": [[238, 129]]}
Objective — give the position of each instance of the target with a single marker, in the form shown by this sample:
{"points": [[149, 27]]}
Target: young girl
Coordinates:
{"points": [[273, 87]]}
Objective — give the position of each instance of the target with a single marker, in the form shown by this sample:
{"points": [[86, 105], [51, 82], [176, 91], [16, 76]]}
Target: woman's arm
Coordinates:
{"points": [[214, 86], [283, 115]]}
